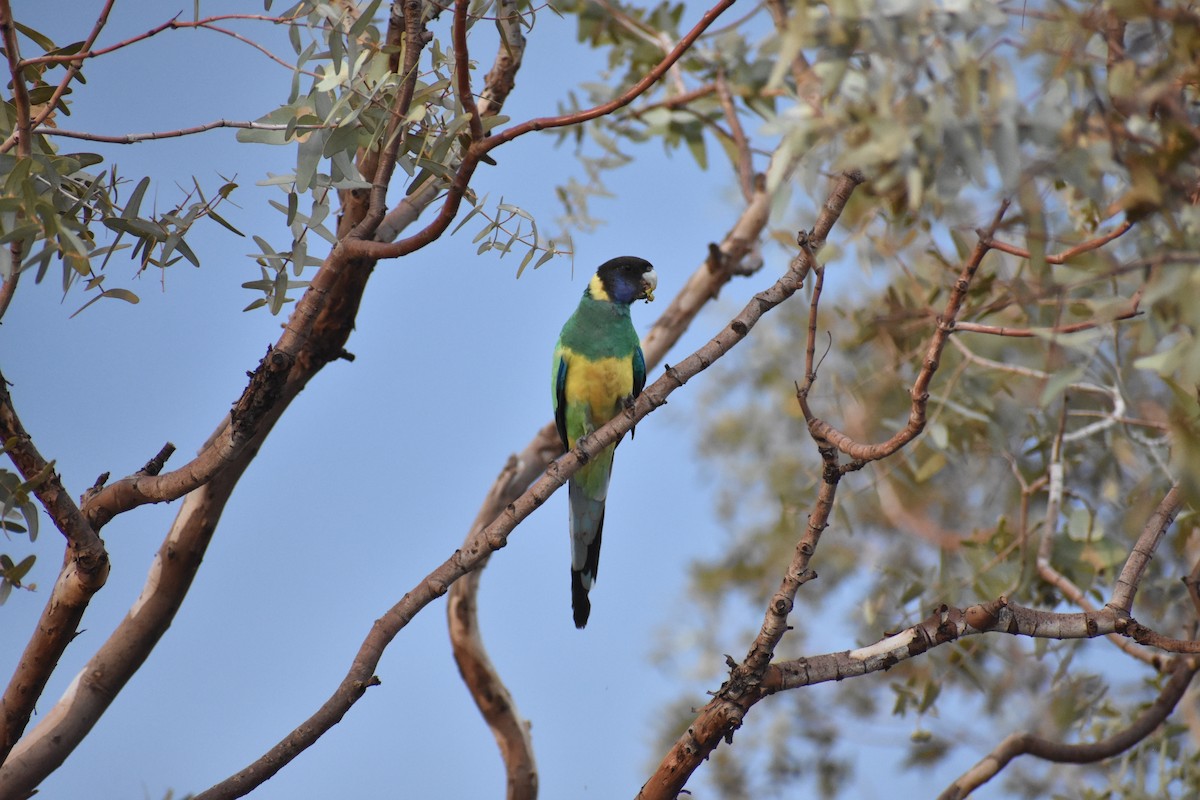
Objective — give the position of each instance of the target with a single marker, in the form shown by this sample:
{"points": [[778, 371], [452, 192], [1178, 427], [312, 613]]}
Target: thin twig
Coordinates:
{"points": [[745, 161], [1069, 253], [133, 138]]}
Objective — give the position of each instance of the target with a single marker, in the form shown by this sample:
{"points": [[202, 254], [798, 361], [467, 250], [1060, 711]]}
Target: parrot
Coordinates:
{"points": [[598, 370]]}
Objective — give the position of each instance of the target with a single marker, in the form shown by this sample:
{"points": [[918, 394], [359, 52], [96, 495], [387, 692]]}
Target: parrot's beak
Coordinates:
{"points": [[649, 284]]}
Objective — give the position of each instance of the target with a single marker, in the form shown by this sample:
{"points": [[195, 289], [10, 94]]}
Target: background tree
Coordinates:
{"points": [[993, 417]]}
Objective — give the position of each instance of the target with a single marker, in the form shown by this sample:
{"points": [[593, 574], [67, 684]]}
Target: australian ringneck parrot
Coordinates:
{"points": [[598, 368]]}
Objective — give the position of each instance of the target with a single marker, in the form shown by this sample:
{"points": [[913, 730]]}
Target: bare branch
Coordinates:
{"points": [[723, 714], [133, 138], [1143, 550], [462, 70], [21, 134], [1129, 312], [1068, 254], [745, 161], [314, 335], [84, 571], [1061, 753], [487, 689], [823, 431]]}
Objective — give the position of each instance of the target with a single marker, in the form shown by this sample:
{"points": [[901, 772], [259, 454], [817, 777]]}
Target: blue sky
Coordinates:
{"points": [[375, 472]]}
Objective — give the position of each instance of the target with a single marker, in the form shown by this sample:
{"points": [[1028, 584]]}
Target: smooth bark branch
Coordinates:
{"points": [[1018, 744], [1129, 312], [84, 571], [946, 624], [491, 696], [462, 70], [1066, 255], [415, 39], [491, 538], [134, 138], [1143, 550], [499, 83]]}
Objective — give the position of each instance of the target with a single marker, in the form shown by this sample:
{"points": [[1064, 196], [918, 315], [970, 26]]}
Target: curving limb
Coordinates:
{"points": [[1019, 744], [861, 452], [1143, 550]]}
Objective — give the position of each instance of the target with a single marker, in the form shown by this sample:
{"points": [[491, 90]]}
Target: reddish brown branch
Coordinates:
{"points": [[173, 24], [501, 80], [822, 431], [462, 69], [1066, 255], [415, 39], [360, 247], [84, 571]]}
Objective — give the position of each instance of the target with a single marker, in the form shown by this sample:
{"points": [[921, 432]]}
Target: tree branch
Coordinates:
{"points": [[360, 247], [21, 133], [133, 138], [314, 335], [919, 393], [415, 39], [500, 81], [84, 571], [724, 713], [1129, 312], [462, 70], [1066, 255], [1143, 550], [482, 680], [1018, 744]]}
